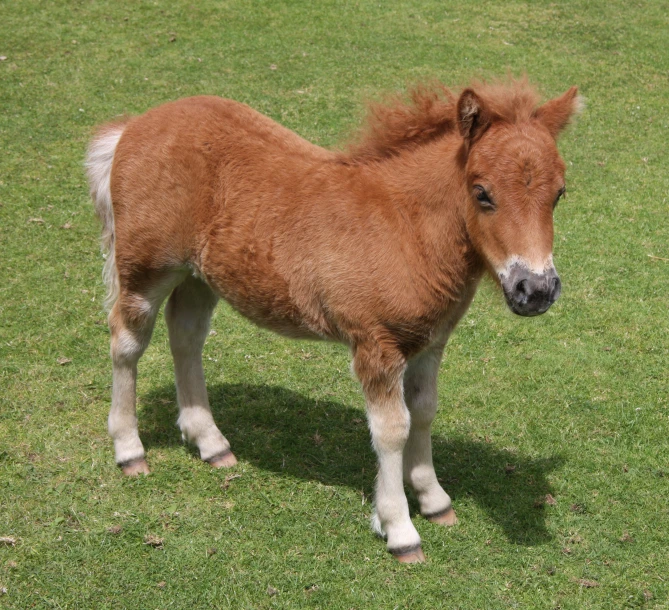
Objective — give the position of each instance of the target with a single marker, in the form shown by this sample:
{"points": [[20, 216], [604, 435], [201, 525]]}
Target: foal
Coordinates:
{"points": [[380, 247]]}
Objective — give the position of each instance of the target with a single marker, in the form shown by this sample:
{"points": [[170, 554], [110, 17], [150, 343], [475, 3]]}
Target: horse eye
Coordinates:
{"points": [[483, 198], [561, 193]]}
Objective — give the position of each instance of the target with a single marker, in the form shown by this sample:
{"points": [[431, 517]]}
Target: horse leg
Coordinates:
{"points": [[131, 322], [389, 422], [188, 313], [420, 393]]}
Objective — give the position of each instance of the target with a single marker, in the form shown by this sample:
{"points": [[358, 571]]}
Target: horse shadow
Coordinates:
{"points": [[321, 440]]}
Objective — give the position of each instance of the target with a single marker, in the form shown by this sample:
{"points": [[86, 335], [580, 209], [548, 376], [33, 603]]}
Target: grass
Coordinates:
{"points": [[571, 406]]}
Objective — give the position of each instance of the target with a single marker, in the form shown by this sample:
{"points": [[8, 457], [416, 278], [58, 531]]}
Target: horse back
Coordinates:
{"points": [[182, 167]]}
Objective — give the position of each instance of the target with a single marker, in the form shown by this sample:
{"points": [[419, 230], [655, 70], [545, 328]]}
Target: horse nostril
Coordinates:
{"points": [[521, 287], [556, 285]]}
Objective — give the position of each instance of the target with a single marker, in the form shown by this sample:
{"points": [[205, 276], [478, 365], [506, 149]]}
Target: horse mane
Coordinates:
{"points": [[427, 112]]}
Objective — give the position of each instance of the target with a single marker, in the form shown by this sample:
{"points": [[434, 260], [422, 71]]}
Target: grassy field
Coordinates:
{"points": [[552, 432]]}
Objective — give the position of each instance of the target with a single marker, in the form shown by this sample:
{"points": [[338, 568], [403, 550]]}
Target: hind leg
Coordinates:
{"points": [[188, 312], [131, 322]]}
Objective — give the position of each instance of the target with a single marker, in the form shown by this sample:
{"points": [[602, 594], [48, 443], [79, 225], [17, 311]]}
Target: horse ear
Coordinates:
{"points": [[473, 116], [556, 114]]}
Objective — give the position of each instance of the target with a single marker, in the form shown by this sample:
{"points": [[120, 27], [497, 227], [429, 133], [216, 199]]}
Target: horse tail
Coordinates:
{"points": [[99, 159]]}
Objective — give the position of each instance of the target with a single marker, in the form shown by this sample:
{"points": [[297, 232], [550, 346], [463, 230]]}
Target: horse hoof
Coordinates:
{"points": [[223, 460], [411, 555], [446, 517], [135, 468]]}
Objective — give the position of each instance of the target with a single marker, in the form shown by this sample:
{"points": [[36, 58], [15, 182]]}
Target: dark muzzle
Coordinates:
{"points": [[528, 293]]}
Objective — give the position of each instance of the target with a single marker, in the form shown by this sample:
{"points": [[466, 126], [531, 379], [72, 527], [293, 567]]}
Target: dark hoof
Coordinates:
{"points": [[134, 468], [444, 517], [413, 554], [223, 460]]}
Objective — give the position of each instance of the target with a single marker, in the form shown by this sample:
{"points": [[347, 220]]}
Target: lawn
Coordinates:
{"points": [[552, 431]]}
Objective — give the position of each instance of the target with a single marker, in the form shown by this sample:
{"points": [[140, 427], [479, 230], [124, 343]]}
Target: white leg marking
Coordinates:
{"points": [[122, 422], [128, 342], [389, 423], [420, 391], [188, 313]]}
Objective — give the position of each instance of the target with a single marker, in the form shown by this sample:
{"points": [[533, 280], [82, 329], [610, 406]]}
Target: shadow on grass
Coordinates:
{"points": [[285, 432]]}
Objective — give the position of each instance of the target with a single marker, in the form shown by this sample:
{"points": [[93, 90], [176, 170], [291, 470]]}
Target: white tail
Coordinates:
{"points": [[99, 160]]}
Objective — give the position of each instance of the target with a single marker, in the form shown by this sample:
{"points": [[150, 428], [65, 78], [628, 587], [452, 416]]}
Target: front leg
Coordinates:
{"points": [[380, 371], [420, 393]]}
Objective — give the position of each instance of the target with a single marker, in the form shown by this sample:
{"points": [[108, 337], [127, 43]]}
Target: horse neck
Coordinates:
{"points": [[428, 187]]}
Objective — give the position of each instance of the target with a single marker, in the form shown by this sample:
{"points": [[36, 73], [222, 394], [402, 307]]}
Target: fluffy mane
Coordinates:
{"points": [[406, 121]]}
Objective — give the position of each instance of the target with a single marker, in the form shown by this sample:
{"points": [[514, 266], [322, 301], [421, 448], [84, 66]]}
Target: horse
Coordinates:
{"points": [[379, 245]]}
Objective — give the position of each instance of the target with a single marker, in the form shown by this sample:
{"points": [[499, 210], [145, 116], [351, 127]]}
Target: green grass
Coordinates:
{"points": [[571, 404]]}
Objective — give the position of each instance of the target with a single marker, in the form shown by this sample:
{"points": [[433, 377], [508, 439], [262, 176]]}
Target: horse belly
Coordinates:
{"points": [[248, 279]]}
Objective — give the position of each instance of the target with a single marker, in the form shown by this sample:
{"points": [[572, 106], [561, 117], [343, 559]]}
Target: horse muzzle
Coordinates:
{"points": [[529, 293]]}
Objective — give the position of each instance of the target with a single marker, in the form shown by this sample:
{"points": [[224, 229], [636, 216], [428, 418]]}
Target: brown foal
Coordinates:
{"points": [[380, 247]]}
